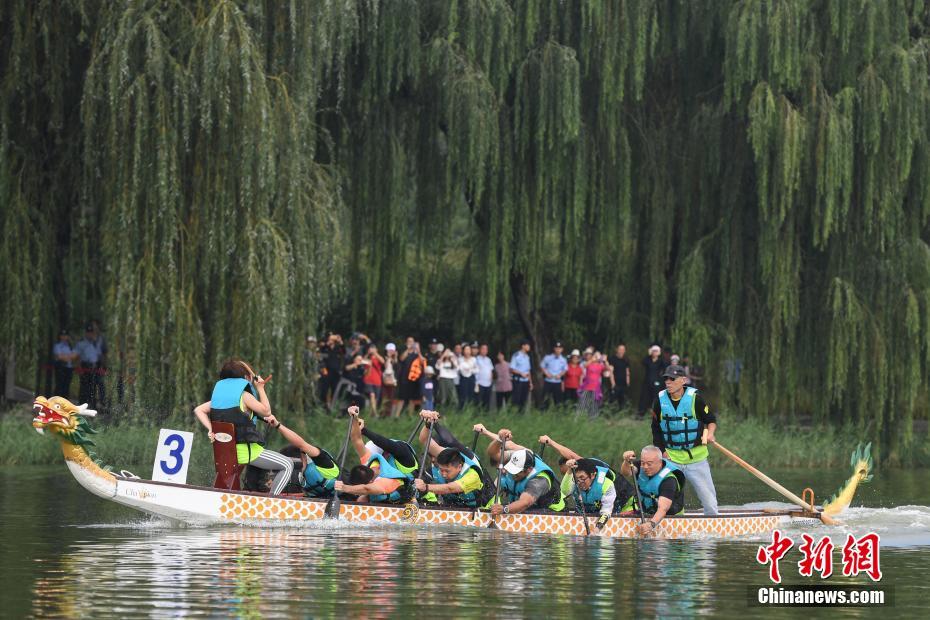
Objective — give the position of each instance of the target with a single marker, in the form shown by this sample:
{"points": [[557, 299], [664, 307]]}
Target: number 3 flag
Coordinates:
{"points": [[172, 456]]}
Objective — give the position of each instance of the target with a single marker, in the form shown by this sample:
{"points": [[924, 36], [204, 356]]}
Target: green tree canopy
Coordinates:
{"points": [[741, 178]]}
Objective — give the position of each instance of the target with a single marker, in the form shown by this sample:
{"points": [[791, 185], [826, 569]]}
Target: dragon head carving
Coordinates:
{"points": [[64, 418]]}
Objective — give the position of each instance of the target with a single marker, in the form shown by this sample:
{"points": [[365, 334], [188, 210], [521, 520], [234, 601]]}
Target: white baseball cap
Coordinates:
{"points": [[519, 460], [576, 352], [390, 347]]}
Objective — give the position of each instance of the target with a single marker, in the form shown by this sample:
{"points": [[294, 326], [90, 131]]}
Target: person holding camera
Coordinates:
{"points": [[374, 367], [448, 369]]}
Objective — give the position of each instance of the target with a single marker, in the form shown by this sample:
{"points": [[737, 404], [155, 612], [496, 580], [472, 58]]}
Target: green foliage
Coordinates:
{"points": [[743, 179]]}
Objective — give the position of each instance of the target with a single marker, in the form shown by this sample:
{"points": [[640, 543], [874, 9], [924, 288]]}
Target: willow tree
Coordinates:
{"points": [[742, 179], [202, 218], [745, 180]]}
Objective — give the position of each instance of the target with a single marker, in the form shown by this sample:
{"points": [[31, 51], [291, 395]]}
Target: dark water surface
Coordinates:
{"points": [[69, 554]]}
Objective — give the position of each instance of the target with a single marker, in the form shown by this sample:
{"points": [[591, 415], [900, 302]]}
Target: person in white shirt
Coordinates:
{"points": [[468, 368], [448, 369], [485, 376]]}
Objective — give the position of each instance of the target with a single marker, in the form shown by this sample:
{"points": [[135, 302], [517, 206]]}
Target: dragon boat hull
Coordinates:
{"points": [[204, 505]]}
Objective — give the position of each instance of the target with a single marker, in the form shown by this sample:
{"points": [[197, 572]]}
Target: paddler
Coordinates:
{"points": [[679, 418], [602, 490], [457, 478], [319, 470], [526, 481], [661, 485], [239, 398], [387, 467]]}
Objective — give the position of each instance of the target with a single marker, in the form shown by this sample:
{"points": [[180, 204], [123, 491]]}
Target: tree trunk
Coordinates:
{"points": [[534, 326]]}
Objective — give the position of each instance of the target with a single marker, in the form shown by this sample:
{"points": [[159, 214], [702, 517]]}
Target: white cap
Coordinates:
{"points": [[440, 347], [655, 348], [519, 461], [576, 352], [390, 347]]}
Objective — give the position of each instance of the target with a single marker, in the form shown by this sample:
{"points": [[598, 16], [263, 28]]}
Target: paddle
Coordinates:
{"points": [[332, 506], [423, 461], [827, 520], [639, 498], [497, 493], [474, 442], [542, 448], [579, 501], [415, 431]]}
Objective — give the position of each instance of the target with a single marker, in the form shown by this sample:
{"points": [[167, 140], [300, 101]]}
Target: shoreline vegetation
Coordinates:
{"points": [[131, 443]]}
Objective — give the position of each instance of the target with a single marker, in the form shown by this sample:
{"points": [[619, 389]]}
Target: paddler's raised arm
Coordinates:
{"points": [[297, 441], [494, 449], [356, 434], [626, 468], [480, 428], [261, 405], [563, 451], [429, 417]]}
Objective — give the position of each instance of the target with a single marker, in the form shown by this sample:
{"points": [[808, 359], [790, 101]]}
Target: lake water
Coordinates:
{"points": [[69, 554]]}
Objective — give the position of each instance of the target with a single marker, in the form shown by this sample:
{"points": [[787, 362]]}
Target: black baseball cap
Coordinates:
{"points": [[63, 332], [674, 372], [557, 344]]}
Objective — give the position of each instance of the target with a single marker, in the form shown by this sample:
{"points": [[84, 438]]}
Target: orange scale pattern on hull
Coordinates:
{"points": [[243, 507]]}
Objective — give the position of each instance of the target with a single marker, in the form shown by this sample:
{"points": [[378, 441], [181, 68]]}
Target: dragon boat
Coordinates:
{"points": [[205, 505]]}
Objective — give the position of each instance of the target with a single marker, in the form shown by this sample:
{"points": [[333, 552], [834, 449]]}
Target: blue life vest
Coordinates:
{"points": [[225, 407], [320, 483], [592, 497], [552, 500], [459, 499], [649, 487], [680, 428], [388, 468]]}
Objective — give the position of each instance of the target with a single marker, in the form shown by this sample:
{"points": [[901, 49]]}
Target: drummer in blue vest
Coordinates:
{"points": [[387, 467], [526, 481], [661, 485], [679, 418], [239, 398], [319, 470], [456, 473]]}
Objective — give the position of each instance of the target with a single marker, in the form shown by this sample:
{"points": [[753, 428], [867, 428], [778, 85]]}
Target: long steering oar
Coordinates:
{"points": [[332, 506], [827, 520], [579, 501]]}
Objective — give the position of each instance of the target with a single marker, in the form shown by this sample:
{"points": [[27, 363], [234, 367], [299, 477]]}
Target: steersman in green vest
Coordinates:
{"points": [[680, 418], [661, 485]]}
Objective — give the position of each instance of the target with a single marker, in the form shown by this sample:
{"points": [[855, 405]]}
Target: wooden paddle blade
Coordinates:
{"points": [[332, 509]]}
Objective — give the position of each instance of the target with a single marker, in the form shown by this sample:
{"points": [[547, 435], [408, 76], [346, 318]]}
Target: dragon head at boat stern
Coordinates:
{"points": [[62, 417], [862, 465]]}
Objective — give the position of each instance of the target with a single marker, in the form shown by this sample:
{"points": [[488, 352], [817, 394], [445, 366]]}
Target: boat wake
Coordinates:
{"points": [[900, 526]]}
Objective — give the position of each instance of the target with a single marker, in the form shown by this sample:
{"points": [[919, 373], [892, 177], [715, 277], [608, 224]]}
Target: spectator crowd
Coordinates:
{"points": [[358, 372]]}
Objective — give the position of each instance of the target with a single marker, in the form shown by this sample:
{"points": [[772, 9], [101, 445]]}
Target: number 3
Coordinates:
{"points": [[176, 453]]}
